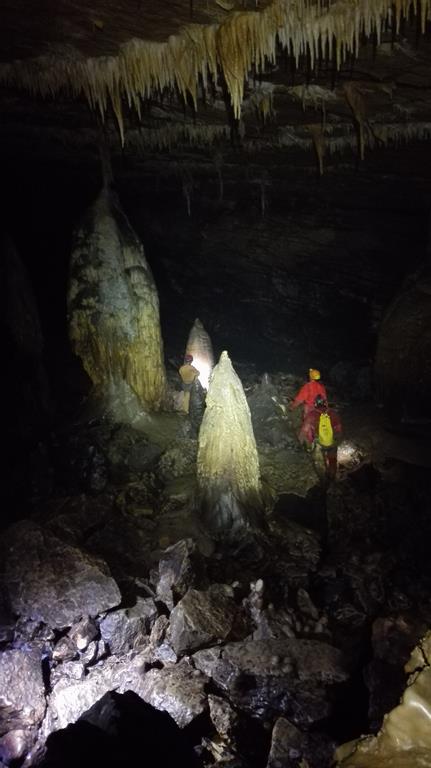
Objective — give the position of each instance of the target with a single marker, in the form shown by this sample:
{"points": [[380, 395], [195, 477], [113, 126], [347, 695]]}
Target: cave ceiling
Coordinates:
{"points": [[195, 87]]}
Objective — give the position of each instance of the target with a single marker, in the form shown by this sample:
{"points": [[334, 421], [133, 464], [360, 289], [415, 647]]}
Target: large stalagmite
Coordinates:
{"points": [[199, 345], [113, 311], [227, 462]]}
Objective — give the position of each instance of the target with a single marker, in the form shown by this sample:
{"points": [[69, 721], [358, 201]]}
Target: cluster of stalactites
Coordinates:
{"points": [[246, 40]]}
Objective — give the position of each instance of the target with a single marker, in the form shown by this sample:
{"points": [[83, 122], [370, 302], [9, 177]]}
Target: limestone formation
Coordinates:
{"points": [[113, 312], [244, 40], [227, 462], [199, 345], [404, 740]]}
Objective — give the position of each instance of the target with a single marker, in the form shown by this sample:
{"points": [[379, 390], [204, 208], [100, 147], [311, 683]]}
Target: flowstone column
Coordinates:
{"points": [[199, 345], [227, 461], [113, 312]]}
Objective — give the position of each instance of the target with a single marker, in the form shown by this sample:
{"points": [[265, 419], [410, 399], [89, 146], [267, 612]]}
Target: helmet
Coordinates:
{"points": [[188, 358], [314, 374], [320, 403]]}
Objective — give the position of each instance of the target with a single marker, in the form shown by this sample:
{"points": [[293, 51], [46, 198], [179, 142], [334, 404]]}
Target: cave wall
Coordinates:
{"points": [[310, 277], [307, 264]]}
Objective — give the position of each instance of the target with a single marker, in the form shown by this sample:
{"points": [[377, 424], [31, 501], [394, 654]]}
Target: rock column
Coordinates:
{"points": [[113, 310]]}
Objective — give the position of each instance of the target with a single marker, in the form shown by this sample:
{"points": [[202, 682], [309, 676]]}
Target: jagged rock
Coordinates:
{"points": [[74, 670], [22, 692], [273, 625], [83, 633], [178, 690], [225, 718], [74, 694], [201, 618], [165, 653], [65, 650], [159, 630], [94, 651], [292, 748], [120, 729], [276, 677], [180, 567], [28, 629], [126, 628], [286, 745], [53, 582]]}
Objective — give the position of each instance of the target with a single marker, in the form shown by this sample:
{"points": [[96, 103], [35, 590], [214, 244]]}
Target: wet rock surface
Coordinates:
{"points": [[266, 650]]}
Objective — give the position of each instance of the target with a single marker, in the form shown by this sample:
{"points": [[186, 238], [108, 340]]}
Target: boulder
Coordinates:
{"points": [[125, 628], [202, 618], [180, 567], [178, 690], [22, 691], [52, 582], [273, 677]]}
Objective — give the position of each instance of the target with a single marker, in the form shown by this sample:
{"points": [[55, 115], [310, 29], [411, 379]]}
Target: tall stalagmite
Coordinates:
{"points": [[227, 462], [199, 345], [113, 311]]}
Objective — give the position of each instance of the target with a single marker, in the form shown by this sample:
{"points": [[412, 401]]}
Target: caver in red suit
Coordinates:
{"points": [[308, 393]]}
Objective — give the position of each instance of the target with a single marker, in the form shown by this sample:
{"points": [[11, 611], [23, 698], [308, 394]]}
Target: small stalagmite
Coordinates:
{"points": [[227, 462], [113, 311], [199, 345]]}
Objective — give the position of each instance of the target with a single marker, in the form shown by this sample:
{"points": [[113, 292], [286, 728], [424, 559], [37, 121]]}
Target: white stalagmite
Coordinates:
{"points": [[404, 740], [113, 311], [227, 462], [246, 39], [199, 345]]}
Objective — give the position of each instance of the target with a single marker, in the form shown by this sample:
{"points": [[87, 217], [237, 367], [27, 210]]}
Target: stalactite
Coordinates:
{"points": [[244, 40], [319, 142], [227, 462], [357, 105]]}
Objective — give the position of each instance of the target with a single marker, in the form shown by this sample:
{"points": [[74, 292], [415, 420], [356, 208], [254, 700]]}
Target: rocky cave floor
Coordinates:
{"points": [[267, 650]]}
